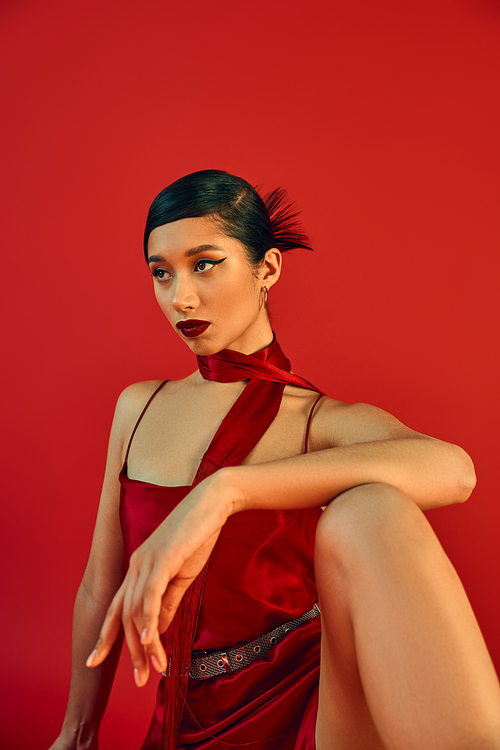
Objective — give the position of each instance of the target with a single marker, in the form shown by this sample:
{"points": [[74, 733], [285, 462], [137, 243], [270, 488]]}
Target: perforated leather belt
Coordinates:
{"points": [[205, 664]]}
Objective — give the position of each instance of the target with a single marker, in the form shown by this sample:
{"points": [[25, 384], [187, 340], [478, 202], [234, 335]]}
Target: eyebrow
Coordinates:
{"points": [[192, 251]]}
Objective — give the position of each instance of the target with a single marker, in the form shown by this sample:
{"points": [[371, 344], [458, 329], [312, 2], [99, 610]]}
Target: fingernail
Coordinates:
{"points": [[156, 663], [143, 635], [91, 658], [137, 678]]}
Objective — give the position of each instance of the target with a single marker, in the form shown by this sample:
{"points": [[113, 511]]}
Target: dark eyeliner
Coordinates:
{"points": [[210, 260]]}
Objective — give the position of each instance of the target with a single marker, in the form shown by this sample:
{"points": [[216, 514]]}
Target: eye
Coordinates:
{"points": [[204, 264], [161, 274]]}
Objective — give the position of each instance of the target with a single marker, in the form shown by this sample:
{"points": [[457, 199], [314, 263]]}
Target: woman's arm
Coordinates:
{"points": [[371, 446], [89, 691]]}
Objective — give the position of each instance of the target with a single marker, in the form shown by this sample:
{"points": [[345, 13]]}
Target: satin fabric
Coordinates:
{"points": [[260, 575], [269, 364]]}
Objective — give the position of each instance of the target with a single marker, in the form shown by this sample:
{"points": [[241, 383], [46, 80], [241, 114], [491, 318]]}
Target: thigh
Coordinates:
{"points": [[400, 641], [344, 721]]}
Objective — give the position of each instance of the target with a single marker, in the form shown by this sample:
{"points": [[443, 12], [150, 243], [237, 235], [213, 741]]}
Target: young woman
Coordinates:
{"points": [[214, 559]]}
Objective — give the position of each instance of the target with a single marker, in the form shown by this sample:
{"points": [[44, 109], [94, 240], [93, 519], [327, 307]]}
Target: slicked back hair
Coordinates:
{"points": [[259, 223]]}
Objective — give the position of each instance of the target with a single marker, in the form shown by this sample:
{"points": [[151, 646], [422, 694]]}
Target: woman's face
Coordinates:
{"points": [[207, 288]]}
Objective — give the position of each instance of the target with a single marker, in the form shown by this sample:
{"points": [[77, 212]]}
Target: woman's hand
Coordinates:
{"points": [[160, 571]]}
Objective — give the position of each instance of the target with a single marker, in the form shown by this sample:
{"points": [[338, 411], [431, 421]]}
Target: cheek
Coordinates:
{"points": [[161, 298], [157, 294], [240, 300], [242, 290]]}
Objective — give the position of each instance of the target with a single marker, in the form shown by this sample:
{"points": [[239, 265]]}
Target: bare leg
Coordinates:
{"points": [[403, 663]]}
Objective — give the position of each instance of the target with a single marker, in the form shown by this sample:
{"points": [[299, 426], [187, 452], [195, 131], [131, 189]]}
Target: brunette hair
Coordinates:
{"points": [[259, 223]]}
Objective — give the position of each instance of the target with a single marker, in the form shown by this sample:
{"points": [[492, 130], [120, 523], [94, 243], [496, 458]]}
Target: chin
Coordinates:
{"points": [[213, 340], [201, 346]]}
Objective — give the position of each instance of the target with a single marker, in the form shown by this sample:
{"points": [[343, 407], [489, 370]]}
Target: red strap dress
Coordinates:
{"points": [[260, 575]]}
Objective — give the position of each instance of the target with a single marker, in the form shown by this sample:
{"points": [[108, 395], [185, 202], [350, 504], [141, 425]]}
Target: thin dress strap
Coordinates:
{"points": [[139, 420], [313, 407]]}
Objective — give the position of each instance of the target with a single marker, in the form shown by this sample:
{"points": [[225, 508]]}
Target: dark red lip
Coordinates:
{"points": [[192, 327], [191, 323]]}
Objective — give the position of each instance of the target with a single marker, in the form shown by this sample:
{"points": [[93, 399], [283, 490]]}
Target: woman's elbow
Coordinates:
{"points": [[466, 475]]}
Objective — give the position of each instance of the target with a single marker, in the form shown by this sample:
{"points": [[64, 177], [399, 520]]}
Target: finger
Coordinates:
{"points": [[171, 600], [109, 631], [146, 606], [132, 636], [143, 603], [157, 654], [151, 609]]}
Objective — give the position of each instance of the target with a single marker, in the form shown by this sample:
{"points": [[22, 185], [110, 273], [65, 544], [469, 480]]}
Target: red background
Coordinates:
{"points": [[382, 119]]}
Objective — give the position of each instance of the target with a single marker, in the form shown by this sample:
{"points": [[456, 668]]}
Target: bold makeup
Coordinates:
{"points": [[192, 328]]}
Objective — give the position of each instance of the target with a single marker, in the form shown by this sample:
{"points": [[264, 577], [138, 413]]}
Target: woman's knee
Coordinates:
{"points": [[367, 517]]}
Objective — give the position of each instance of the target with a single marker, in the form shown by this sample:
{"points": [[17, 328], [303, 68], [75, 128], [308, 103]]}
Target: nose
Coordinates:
{"points": [[184, 296]]}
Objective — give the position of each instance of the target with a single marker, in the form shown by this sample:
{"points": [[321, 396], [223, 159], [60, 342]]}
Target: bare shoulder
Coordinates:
{"points": [[337, 423], [136, 394], [128, 409], [131, 402]]}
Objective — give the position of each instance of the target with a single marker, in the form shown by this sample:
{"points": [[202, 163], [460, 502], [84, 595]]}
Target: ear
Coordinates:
{"points": [[271, 267]]}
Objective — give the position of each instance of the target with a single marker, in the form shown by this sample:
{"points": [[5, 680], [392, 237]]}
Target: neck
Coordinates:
{"points": [[254, 339]]}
